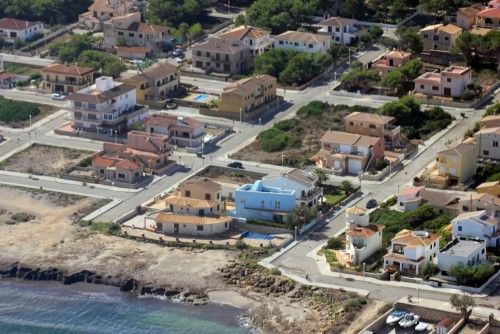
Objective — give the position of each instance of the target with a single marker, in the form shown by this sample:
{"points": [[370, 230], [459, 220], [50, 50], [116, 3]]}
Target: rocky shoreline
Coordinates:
{"points": [[126, 285]]}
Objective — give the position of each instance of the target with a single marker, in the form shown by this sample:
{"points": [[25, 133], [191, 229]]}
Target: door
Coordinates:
{"points": [[176, 228], [447, 91]]}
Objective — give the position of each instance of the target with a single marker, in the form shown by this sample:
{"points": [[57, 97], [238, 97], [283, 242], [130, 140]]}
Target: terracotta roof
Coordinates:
{"points": [[219, 45], [303, 37], [154, 72], [449, 28], [189, 201], [241, 32], [337, 22], [204, 182], [165, 217], [345, 138], [249, 85], [103, 161], [167, 121], [493, 130], [4, 75], [15, 24], [491, 13], [355, 210], [373, 118], [469, 11], [410, 191], [128, 165], [446, 322], [68, 69], [102, 6], [410, 239], [147, 28], [461, 149], [364, 231]]}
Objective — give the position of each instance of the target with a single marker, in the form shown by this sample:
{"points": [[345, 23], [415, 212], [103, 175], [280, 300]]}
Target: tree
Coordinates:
{"points": [[477, 49], [240, 20], [346, 186], [463, 303], [300, 216], [409, 40], [430, 269], [47, 11], [334, 243], [183, 30], [411, 69], [352, 8], [359, 79], [338, 51], [493, 110], [375, 32], [321, 175], [107, 63], [69, 51], [195, 31], [394, 80], [174, 12]]}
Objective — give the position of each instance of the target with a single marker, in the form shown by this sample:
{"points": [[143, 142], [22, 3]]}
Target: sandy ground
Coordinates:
{"points": [[374, 310], [52, 240]]}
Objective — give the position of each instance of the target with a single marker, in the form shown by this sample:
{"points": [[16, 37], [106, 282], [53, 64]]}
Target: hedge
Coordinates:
{"points": [[15, 111]]}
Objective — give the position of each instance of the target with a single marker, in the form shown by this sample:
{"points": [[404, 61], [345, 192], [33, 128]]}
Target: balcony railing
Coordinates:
{"points": [[392, 130]]}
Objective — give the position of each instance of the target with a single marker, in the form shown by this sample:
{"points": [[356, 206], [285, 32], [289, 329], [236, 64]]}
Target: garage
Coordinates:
{"points": [[354, 166]]}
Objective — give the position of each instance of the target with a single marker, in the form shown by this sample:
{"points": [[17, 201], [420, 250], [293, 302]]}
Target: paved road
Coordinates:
{"points": [[30, 96], [33, 61]]}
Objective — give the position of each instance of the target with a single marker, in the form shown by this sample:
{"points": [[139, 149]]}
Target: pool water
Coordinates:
{"points": [[201, 98], [255, 235]]}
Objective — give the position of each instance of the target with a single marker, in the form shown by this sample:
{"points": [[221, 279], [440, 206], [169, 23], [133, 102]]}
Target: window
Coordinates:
{"points": [[280, 42], [435, 88], [277, 205], [120, 33], [426, 36], [448, 79], [101, 171], [198, 53], [199, 227], [372, 126], [201, 212], [435, 37], [207, 197], [482, 251], [495, 143], [351, 123], [121, 175], [187, 193], [130, 34], [459, 228], [446, 38], [422, 86], [310, 46], [486, 152], [465, 208]]}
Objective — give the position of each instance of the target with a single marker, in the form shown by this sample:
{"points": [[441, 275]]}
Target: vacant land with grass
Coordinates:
{"points": [[22, 69], [46, 160], [224, 174], [16, 114]]}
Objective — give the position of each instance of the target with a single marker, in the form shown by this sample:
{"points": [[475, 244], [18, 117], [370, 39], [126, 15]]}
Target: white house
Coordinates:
{"points": [[14, 29], [410, 250], [302, 41], [342, 30], [467, 251], [258, 40], [362, 238], [477, 224], [304, 185], [487, 141], [409, 199]]}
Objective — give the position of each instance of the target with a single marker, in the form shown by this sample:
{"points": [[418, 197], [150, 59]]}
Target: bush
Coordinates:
{"points": [[472, 276], [275, 271], [287, 124], [493, 110], [334, 243], [313, 108], [15, 111], [276, 143], [107, 228], [430, 269]]}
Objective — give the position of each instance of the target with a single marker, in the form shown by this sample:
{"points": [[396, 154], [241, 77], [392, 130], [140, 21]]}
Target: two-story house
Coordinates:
{"points": [[105, 107], [362, 238], [489, 17], [410, 250], [302, 183], [129, 30], [391, 61], [103, 10], [477, 201], [342, 30], [156, 84], [117, 171], [195, 209], [466, 16], [439, 37], [182, 131], [302, 42], [375, 125], [451, 82], [477, 224], [65, 79], [221, 55], [466, 251], [487, 140], [492, 188], [248, 98], [258, 202], [454, 166], [348, 153], [256, 39], [12, 30], [491, 121]]}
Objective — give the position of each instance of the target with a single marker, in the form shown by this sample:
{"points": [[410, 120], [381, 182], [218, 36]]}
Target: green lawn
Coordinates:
{"points": [[334, 199]]}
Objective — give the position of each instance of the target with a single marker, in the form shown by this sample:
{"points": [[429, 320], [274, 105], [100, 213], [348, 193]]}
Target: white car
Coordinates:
{"points": [[58, 97]]}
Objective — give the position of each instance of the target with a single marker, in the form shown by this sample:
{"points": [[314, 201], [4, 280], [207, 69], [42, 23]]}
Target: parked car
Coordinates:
{"points": [[177, 53], [58, 97], [371, 203], [235, 164]]}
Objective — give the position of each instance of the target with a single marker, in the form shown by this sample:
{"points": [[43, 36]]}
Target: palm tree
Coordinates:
{"points": [[346, 186], [183, 30], [321, 175]]}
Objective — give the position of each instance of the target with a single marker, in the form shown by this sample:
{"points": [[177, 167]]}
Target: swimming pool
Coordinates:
{"points": [[200, 98], [255, 235]]}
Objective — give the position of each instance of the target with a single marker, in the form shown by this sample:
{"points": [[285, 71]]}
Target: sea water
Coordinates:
{"points": [[53, 308]]}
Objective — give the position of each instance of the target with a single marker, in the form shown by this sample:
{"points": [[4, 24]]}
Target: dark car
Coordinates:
{"points": [[235, 164], [371, 204]]}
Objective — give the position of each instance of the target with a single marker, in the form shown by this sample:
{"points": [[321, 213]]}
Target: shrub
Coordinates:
{"points": [[430, 269], [287, 124], [107, 228], [313, 108], [15, 111], [275, 271], [334, 243], [275, 144], [473, 276], [493, 110]]}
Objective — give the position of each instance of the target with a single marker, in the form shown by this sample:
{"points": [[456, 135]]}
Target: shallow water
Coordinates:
{"points": [[50, 307]]}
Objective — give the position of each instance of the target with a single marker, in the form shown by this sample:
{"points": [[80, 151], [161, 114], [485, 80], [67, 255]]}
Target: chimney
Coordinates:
{"points": [[104, 83]]}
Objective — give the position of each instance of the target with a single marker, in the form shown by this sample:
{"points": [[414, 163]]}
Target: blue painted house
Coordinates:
{"points": [[259, 202]]}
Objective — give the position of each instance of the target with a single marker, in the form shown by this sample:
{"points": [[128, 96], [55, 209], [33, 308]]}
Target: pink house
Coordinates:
{"points": [[489, 17], [391, 61], [451, 82]]}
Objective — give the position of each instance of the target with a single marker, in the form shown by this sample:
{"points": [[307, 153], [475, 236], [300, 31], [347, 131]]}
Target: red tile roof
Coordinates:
{"points": [[102, 161], [15, 24], [68, 69], [128, 165], [491, 13]]}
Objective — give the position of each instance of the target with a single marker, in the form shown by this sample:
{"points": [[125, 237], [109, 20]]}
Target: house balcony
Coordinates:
{"points": [[312, 195], [97, 121], [392, 130], [126, 115], [105, 110]]}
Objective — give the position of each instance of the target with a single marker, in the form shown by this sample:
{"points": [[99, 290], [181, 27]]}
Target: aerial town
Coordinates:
{"points": [[256, 166]]}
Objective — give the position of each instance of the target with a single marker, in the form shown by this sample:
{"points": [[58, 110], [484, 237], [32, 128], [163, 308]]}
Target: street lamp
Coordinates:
{"points": [[364, 269], [259, 121], [295, 233], [282, 161], [241, 110], [30, 120]]}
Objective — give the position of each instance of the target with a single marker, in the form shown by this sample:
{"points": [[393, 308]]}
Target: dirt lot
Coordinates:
{"points": [[224, 174], [51, 239], [45, 160]]}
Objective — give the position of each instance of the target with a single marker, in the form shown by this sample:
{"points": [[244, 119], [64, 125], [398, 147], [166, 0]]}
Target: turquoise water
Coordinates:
{"points": [[201, 98], [49, 307]]}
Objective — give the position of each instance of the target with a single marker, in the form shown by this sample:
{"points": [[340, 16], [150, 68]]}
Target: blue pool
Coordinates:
{"points": [[255, 235], [201, 98]]}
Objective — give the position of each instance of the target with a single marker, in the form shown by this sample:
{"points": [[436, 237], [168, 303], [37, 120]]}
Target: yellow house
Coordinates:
{"points": [[455, 166], [492, 188]]}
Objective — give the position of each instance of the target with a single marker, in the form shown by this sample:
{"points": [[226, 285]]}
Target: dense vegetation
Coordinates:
{"points": [[47, 11], [15, 111], [70, 50], [291, 67], [359, 78], [174, 12], [397, 79], [423, 218], [477, 49], [107, 63], [472, 276], [283, 134], [415, 123]]}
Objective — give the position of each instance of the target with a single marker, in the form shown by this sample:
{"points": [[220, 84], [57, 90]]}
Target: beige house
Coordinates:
{"points": [[248, 98], [373, 124], [129, 30], [492, 188], [182, 131], [116, 170], [454, 166], [487, 141], [492, 121], [155, 84], [194, 210], [221, 56], [347, 153], [66, 78], [466, 16], [391, 61], [439, 37], [475, 201], [490, 17], [103, 10], [451, 82], [302, 41], [256, 39]]}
